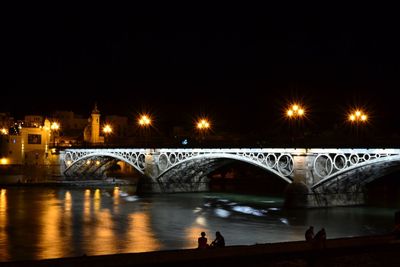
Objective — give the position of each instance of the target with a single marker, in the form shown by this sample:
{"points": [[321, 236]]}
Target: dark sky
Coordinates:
{"points": [[237, 64]]}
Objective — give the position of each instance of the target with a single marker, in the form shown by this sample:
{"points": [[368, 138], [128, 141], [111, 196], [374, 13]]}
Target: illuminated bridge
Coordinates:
{"points": [[315, 177]]}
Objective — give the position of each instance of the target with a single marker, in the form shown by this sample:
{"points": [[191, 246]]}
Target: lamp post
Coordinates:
{"points": [[295, 113], [357, 117], [54, 127], [144, 122], [107, 130], [202, 126]]}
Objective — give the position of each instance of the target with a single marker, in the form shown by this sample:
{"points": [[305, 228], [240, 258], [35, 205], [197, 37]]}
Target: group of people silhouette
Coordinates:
{"points": [[218, 242], [317, 240]]}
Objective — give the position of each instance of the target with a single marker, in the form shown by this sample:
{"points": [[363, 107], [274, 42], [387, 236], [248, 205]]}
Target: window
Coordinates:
{"points": [[34, 139]]}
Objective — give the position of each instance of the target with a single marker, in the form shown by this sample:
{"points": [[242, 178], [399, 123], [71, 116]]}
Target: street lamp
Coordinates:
{"points": [[357, 117], [202, 126], [107, 130], [145, 122], [295, 112], [54, 127]]}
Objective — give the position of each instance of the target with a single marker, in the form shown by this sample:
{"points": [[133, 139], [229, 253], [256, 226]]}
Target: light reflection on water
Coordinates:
{"points": [[39, 223], [3, 225]]}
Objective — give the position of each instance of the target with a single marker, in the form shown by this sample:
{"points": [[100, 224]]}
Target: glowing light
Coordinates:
{"points": [[55, 126], [68, 201], [147, 240], [107, 129], [203, 124], [3, 222], [295, 111], [201, 221], [144, 120], [86, 205], [3, 161], [69, 162], [364, 117], [97, 162], [3, 131], [97, 200], [358, 115], [52, 233], [116, 197]]}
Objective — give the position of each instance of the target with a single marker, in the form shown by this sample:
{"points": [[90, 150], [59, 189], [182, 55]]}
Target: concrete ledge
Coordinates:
{"points": [[357, 251]]}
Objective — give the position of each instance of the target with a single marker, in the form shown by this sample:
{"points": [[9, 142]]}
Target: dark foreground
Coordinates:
{"points": [[357, 251]]}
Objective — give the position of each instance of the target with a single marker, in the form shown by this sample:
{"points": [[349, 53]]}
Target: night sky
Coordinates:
{"points": [[239, 65]]}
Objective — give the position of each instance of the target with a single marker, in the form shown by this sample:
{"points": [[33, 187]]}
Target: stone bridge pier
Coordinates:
{"points": [[314, 177], [302, 193]]}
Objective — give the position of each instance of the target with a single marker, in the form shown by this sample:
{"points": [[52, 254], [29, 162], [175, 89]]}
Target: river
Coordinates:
{"points": [[53, 222]]}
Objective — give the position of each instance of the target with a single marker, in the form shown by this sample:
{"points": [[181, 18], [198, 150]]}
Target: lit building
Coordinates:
{"points": [[26, 145]]}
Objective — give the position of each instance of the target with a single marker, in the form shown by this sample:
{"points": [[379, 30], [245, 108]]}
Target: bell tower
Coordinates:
{"points": [[95, 126]]}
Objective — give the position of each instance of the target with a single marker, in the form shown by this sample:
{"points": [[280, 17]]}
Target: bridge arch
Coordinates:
{"points": [[360, 173], [281, 167], [136, 160]]}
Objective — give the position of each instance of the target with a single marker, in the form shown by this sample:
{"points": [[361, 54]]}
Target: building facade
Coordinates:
{"points": [[27, 145]]}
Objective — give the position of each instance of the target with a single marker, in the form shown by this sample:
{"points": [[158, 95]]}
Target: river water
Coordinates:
{"points": [[53, 222]]}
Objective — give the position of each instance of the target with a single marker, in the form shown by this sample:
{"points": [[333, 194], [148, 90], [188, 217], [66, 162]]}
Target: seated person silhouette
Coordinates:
{"points": [[202, 241], [219, 241], [320, 238], [309, 235]]}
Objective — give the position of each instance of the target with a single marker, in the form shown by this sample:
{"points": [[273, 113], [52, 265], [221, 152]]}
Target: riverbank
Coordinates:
{"points": [[356, 251]]}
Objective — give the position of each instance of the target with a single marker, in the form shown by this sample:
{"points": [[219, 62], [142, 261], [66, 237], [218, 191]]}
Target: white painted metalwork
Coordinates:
{"points": [[134, 157], [278, 161], [331, 162], [326, 163]]}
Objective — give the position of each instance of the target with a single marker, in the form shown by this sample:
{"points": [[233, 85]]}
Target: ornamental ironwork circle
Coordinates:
{"points": [[354, 159], [323, 165], [261, 158], [340, 162], [285, 164], [163, 162], [271, 160], [172, 158]]}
